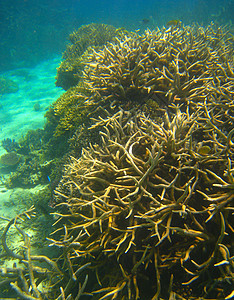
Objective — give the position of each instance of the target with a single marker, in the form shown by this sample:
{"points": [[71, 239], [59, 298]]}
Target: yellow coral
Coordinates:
{"points": [[142, 203]]}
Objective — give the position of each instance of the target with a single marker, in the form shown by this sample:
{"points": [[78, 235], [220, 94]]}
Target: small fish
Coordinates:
{"points": [[173, 23], [48, 177]]}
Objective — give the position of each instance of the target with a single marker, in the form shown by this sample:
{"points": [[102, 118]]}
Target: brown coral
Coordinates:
{"points": [[144, 203], [10, 159], [177, 65], [69, 111], [74, 57]]}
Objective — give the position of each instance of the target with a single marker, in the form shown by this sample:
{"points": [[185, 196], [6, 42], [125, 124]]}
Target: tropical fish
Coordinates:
{"points": [[173, 23]]}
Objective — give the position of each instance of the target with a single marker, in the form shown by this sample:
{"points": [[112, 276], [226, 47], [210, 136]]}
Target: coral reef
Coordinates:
{"points": [[146, 212], [95, 35], [149, 203], [183, 65], [10, 159], [9, 145]]}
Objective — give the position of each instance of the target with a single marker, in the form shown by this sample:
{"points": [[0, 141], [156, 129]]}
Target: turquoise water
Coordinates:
{"points": [[34, 30], [35, 87]]}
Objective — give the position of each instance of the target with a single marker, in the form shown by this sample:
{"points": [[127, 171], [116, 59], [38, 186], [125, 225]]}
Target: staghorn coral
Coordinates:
{"points": [[95, 35], [191, 66], [149, 204], [186, 65]]}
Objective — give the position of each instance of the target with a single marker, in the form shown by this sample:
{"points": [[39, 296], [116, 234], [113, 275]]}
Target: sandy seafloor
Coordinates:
{"points": [[17, 113], [17, 116], [36, 85]]}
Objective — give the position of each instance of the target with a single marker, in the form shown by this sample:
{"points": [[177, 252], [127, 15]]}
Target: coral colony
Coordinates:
{"points": [[146, 212]]}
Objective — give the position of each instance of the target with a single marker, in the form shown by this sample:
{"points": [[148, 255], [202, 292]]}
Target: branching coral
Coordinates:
{"points": [[145, 202], [180, 65], [25, 279], [10, 145], [94, 35], [191, 66]]}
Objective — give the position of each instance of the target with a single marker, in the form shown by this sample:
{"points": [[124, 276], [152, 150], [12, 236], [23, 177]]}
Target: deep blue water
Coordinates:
{"points": [[33, 30]]}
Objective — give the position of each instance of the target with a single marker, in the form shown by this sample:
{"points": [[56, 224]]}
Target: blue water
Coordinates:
{"points": [[36, 87], [33, 30]]}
